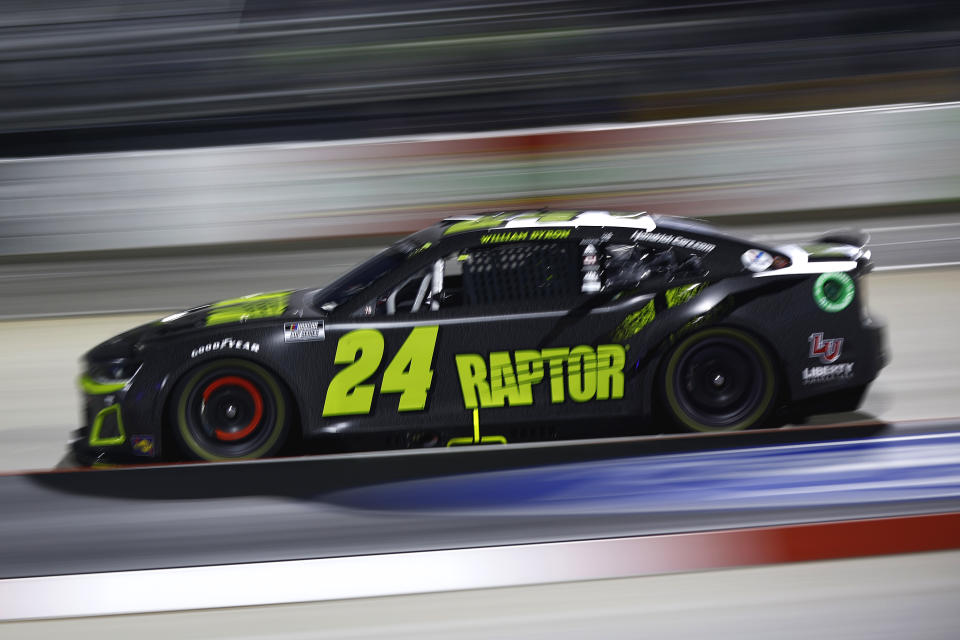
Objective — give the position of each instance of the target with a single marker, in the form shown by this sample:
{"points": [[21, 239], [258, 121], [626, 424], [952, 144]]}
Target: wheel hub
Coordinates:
{"points": [[232, 408], [718, 382]]}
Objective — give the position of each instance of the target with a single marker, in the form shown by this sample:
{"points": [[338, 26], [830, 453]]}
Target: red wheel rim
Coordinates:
{"points": [[246, 385]]}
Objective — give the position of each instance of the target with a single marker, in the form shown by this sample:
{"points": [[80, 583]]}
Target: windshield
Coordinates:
{"points": [[362, 276]]}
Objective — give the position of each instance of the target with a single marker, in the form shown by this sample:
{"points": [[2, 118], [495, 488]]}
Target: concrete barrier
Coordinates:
{"points": [[862, 157]]}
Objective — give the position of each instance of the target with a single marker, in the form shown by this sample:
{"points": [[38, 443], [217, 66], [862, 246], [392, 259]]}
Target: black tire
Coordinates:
{"points": [[720, 379], [229, 410]]}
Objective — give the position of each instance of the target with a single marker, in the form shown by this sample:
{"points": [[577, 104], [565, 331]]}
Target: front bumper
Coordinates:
{"points": [[103, 435]]}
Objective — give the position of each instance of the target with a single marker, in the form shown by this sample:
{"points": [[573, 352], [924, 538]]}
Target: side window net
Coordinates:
{"points": [[516, 272]]}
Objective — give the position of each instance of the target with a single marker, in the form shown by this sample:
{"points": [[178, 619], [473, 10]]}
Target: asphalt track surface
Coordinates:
{"points": [[171, 517]]}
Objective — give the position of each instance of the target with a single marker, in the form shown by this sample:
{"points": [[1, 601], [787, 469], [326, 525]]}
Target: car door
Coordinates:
{"points": [[498, 335]]}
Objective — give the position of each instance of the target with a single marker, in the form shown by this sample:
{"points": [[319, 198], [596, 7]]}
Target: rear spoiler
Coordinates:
{"points": [[849, 244], [851, 237]]}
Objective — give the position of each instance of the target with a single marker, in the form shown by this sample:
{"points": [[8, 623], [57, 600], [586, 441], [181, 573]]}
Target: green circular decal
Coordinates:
{"points": [[834, 291]]}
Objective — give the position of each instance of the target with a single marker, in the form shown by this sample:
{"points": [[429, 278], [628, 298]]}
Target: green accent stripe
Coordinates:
{"points": [[476, 439], [95, 440], [94, 388], [255, 307]]}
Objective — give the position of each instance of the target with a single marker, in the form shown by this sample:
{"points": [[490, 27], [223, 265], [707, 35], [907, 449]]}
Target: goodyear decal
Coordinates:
{"points": [[504, 378], [635, 323], [255, 307]]}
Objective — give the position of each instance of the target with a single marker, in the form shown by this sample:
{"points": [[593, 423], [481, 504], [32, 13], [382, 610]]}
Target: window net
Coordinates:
{"points": [[520, 272]]}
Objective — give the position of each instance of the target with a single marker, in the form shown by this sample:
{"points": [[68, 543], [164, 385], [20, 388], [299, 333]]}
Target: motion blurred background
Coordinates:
{"points": [[135, 74], [338, 110], [159, 154]]}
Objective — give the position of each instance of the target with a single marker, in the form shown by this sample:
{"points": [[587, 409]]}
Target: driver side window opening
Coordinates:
{"points": [[537, 273], [490, 276], [521, 272]]}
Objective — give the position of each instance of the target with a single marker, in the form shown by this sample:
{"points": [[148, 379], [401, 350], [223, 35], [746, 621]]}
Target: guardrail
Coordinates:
{"points": [[892, 155]]}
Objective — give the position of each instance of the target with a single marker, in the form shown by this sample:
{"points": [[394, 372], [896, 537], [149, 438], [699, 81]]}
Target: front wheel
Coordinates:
{"points": [[720, 379], [229, 410]]}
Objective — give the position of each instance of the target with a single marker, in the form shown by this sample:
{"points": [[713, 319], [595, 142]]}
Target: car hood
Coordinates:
{"points": [[235, 311]]}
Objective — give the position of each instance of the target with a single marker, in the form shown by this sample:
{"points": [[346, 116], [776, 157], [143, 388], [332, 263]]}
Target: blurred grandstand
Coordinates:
{"points": [[138, 74]]}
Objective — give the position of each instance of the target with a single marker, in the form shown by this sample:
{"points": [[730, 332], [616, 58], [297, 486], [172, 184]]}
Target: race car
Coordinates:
{"points": [[499, 328]]}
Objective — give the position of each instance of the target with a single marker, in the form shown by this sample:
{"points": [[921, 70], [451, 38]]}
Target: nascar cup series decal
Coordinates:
{"points": [[827, 351], [303, 331]]}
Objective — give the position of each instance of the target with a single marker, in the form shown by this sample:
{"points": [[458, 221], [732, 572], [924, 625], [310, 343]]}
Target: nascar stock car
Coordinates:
{"points": [[495, 328]]}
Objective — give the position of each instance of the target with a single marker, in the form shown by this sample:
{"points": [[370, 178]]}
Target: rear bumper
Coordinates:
{"points": [[876, 333], [846, 392]]}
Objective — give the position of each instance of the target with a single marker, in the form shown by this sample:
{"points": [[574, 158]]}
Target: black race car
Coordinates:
{"points": [[513, 326]]}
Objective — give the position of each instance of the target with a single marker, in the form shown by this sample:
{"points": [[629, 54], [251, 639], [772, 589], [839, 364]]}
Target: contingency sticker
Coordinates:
{"points": [[303, 331], [143, 445], [827, 351]]}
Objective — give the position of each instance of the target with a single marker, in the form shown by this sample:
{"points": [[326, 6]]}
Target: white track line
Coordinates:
{"points": [[238, 585], [928, 265], [924, 241], [813, 232]]}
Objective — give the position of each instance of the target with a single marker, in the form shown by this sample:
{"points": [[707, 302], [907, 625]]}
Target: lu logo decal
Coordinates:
{"points": [[826, 349]]}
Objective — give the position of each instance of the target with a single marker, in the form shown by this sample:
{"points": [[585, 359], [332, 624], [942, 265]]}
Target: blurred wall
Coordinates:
{"points": [[134, 74], [707, 167]]}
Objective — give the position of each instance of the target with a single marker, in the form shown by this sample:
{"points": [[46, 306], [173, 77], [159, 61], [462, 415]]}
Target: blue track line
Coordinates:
{"points": [[889, 469]]}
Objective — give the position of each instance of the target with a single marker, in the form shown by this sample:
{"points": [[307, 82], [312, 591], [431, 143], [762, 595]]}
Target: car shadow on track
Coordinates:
{"points": [[307, 476]]}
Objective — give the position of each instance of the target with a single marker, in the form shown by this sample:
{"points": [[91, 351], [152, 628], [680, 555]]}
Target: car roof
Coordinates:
{"points": [[545, 218]]}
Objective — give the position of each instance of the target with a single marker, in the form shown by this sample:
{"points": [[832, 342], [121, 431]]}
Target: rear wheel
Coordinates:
{"points": [[229, 410], [720, 379]]}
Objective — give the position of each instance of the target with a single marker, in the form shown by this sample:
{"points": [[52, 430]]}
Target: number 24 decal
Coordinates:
{"points": [[408, 373]]}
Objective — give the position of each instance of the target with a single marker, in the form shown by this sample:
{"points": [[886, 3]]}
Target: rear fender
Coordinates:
{"points": [[712, 306]]}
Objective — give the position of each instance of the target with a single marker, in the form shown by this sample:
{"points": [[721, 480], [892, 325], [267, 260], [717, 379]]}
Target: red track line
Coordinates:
{"points": [[209, 587], [802, 542]]}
